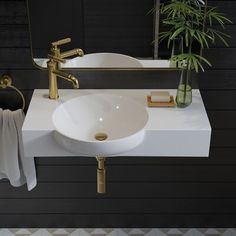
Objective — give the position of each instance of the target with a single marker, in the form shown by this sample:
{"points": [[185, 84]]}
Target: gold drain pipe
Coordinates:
{"points": [[101, 175]]}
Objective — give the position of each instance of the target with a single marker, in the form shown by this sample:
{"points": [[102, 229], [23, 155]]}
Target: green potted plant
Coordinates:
{"points": [[190, 22]]}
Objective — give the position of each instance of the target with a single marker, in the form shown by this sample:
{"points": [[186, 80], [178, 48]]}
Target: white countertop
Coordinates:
{"points": [[169, 131]]}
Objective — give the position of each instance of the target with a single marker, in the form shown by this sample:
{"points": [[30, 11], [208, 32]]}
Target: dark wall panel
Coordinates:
{"points": [[95, 26], [142, 191]]}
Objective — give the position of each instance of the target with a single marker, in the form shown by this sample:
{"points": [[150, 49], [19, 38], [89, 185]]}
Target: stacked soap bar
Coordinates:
{"points": [[160, 96], [160, 99]]}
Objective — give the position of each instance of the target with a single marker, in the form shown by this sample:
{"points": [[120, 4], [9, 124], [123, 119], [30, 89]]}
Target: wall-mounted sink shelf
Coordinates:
{"points": [[168, 131]]}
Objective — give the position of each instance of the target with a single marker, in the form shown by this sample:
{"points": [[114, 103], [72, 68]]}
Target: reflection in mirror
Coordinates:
{"points": [[112, 33]]}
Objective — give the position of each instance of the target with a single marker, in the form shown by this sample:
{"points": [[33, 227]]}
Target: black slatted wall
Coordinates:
{"points": [[118, 26], [141, 191]]}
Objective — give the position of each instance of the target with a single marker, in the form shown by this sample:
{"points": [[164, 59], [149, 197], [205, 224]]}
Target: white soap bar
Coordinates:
{"points": [[160, 96]]}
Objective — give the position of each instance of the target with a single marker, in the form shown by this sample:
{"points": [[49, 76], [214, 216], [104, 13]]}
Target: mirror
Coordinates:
{"points": [[112, 33]]}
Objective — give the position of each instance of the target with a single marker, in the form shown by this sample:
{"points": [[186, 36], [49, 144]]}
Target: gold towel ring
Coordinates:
{"points": [[6, 82]]}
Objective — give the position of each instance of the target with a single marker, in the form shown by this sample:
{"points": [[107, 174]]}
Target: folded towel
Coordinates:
{"points": [[13, 164]]}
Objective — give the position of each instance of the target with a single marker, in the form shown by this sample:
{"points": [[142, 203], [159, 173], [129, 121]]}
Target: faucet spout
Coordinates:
{"points": [[67, 77], [53, 74], [73, 52]]}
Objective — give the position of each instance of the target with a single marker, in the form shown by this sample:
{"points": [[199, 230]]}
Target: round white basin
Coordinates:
{"points": [[97, 60], [103, 60], [100, 124]]}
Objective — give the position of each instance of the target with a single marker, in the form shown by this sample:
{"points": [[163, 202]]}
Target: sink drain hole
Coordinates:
{"points": [[101, 136]]}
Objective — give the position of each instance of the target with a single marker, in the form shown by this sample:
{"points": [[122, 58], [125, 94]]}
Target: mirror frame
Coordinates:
{"points": [[156, 32]]}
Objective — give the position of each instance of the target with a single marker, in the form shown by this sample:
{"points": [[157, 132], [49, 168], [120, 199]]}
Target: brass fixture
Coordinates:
{"points": [[54, 68], [56, 51], [101, 136], [101, 175], [6, 82], [76, 51]]}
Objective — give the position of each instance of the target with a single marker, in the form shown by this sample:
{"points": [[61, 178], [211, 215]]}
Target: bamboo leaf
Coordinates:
{"points": [[186, 19], [176, 33], [203, 59], [195, 64]]}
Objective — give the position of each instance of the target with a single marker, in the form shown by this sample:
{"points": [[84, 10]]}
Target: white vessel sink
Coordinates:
{"points": [[103, 60], [107, 60], [100, 124], [97, 60]]}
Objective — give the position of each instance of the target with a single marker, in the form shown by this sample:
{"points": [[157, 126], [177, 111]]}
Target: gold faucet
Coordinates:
{"points": [[54, 68]]}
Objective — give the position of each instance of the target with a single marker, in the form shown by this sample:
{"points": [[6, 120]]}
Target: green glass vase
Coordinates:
{"points": [[184, 90]]}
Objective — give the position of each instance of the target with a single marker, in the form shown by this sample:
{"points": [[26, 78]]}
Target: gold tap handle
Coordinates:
{"points": [[61, 42], [56, 59]]}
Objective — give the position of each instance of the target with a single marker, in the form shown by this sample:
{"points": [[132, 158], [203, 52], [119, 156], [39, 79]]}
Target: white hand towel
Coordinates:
{"points": [[13, 164]]}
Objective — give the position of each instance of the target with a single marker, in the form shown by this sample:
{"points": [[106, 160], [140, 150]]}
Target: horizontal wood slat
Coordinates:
{"points": [[14, 36], [119, 22], [122, 190], [15, 58], [118, 206], [116, 7], [13, 12], [223, 138], [145, 174], [218, 156], [221, 58], [217, 79], [219, 100], [222, 119], [117, 220]]}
